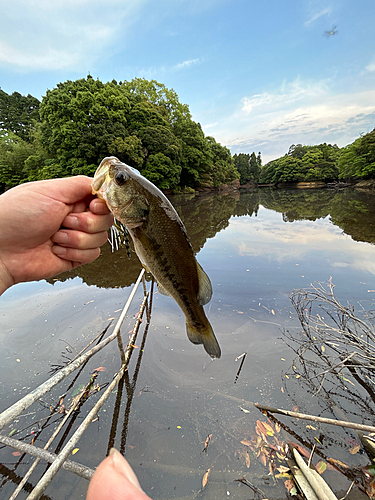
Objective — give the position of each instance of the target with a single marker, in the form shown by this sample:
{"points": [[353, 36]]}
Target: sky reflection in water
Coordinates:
{"points": [[253, 263]]}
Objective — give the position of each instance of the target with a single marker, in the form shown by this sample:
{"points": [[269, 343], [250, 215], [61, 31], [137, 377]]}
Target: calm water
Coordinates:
{"points": [[256, 247]]}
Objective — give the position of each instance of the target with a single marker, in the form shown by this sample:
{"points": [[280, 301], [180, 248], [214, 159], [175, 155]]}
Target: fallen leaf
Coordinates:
{"points": [[246, 442], [321, 467], [100, 369], [244, 410], [16, 453], [282, 468], [205, 478], [288, 484], [75, 451], [263, 459], [265, 428], [306, 453], [333, 461], [355, 449], [247, 459]]}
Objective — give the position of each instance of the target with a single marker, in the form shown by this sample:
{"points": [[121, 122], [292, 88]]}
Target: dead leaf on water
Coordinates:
{"points": [[355, 449], [244, 410], [205, 478], [321, 467], [246, 442]]}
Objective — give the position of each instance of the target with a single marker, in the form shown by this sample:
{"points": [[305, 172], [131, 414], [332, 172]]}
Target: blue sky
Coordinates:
{"points": [[258, 75]]}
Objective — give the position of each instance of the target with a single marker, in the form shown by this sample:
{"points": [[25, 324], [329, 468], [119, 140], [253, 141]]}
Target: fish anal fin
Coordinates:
{"points": [[205, 287]]}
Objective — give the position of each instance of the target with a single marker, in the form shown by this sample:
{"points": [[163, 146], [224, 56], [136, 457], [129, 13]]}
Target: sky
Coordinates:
{"points": [[257, 75]]}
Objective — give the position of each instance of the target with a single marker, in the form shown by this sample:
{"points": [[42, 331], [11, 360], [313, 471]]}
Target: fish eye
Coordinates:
{"points": [[121, 178]]}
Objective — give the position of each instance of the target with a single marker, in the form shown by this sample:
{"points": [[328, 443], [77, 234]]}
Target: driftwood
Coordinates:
{"points": [[317, 483], [303, 416]]}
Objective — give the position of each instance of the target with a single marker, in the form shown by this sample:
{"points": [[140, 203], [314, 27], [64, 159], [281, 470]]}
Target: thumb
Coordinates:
{"points": [[114, 479]]}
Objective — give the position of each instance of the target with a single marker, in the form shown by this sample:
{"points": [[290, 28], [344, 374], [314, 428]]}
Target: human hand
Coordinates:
{"points": [[48, 227], [114, 479]]}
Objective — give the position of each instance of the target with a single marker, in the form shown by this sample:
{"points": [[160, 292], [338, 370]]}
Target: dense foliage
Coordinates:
{"points": [[303, 163], [248, 166], [81, 122], [144, 124]]}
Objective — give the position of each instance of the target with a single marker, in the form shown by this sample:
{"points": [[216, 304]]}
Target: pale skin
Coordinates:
{"points": [[46, 228]]}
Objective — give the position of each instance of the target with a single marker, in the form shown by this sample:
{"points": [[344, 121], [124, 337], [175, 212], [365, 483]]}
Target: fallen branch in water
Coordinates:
{"points": [[323, 420]]}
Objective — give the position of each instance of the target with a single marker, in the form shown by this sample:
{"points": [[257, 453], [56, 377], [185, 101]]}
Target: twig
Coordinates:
{"points": [[69, 465], [302, 416], [76, 403], [64, 453], [17, 408]]}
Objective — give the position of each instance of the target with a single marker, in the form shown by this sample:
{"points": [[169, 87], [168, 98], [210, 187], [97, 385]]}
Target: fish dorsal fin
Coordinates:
{"points": [[163, 291], [205, 288]]}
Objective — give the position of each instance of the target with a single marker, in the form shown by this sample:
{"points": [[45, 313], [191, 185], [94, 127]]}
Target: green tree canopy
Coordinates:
{"points": [[141, 122], [358, 159], [303, 163], [18, 113]]}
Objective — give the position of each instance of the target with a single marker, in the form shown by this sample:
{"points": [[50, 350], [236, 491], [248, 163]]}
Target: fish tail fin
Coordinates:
{"points": [[205, 336]]}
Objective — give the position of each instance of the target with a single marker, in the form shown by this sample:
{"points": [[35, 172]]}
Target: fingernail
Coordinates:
{"points": [[59, 251], [71, 221], [60, 237], [122, 466]]}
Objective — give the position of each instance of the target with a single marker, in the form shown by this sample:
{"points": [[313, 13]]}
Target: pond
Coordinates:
{"points": [[256, 246]]}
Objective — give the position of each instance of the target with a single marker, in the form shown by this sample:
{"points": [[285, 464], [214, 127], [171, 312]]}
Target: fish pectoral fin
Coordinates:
{"points": [[163, 291], [205, 287]]}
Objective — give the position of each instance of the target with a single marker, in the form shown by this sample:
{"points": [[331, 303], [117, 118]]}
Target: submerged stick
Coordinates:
{"points": [[303, 416], [17, 408], [76, 403], [64, 453], [47, 456]]}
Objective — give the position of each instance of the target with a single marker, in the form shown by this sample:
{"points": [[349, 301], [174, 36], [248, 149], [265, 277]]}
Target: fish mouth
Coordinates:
{"points": [[103, 175]]}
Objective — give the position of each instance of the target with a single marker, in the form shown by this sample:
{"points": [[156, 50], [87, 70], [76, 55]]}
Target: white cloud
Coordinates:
{"points": [[41, 34], [296, 112], [188, 63], [371, 66], [324, 12]]}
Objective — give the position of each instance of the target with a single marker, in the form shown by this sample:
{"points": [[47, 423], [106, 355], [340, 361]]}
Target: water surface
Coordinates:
{"points": [[256, 246]]}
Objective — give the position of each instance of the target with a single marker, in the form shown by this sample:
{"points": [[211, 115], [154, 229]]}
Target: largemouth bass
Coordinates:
{"points": [[161, 243]]}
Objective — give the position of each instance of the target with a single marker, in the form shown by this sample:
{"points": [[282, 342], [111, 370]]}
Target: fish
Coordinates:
{"points": [[160, 242]]}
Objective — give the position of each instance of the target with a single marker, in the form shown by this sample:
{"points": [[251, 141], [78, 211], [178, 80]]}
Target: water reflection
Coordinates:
{"points": [[256, 247], [351, 211]]}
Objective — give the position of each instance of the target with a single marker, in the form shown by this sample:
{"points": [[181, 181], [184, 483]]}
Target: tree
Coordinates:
{"points": [[223, 168], [357, 160], [81, 121], [151, 91], [160, 170], [254, 169], [242, 164], [14, 151], [18, 113]]}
